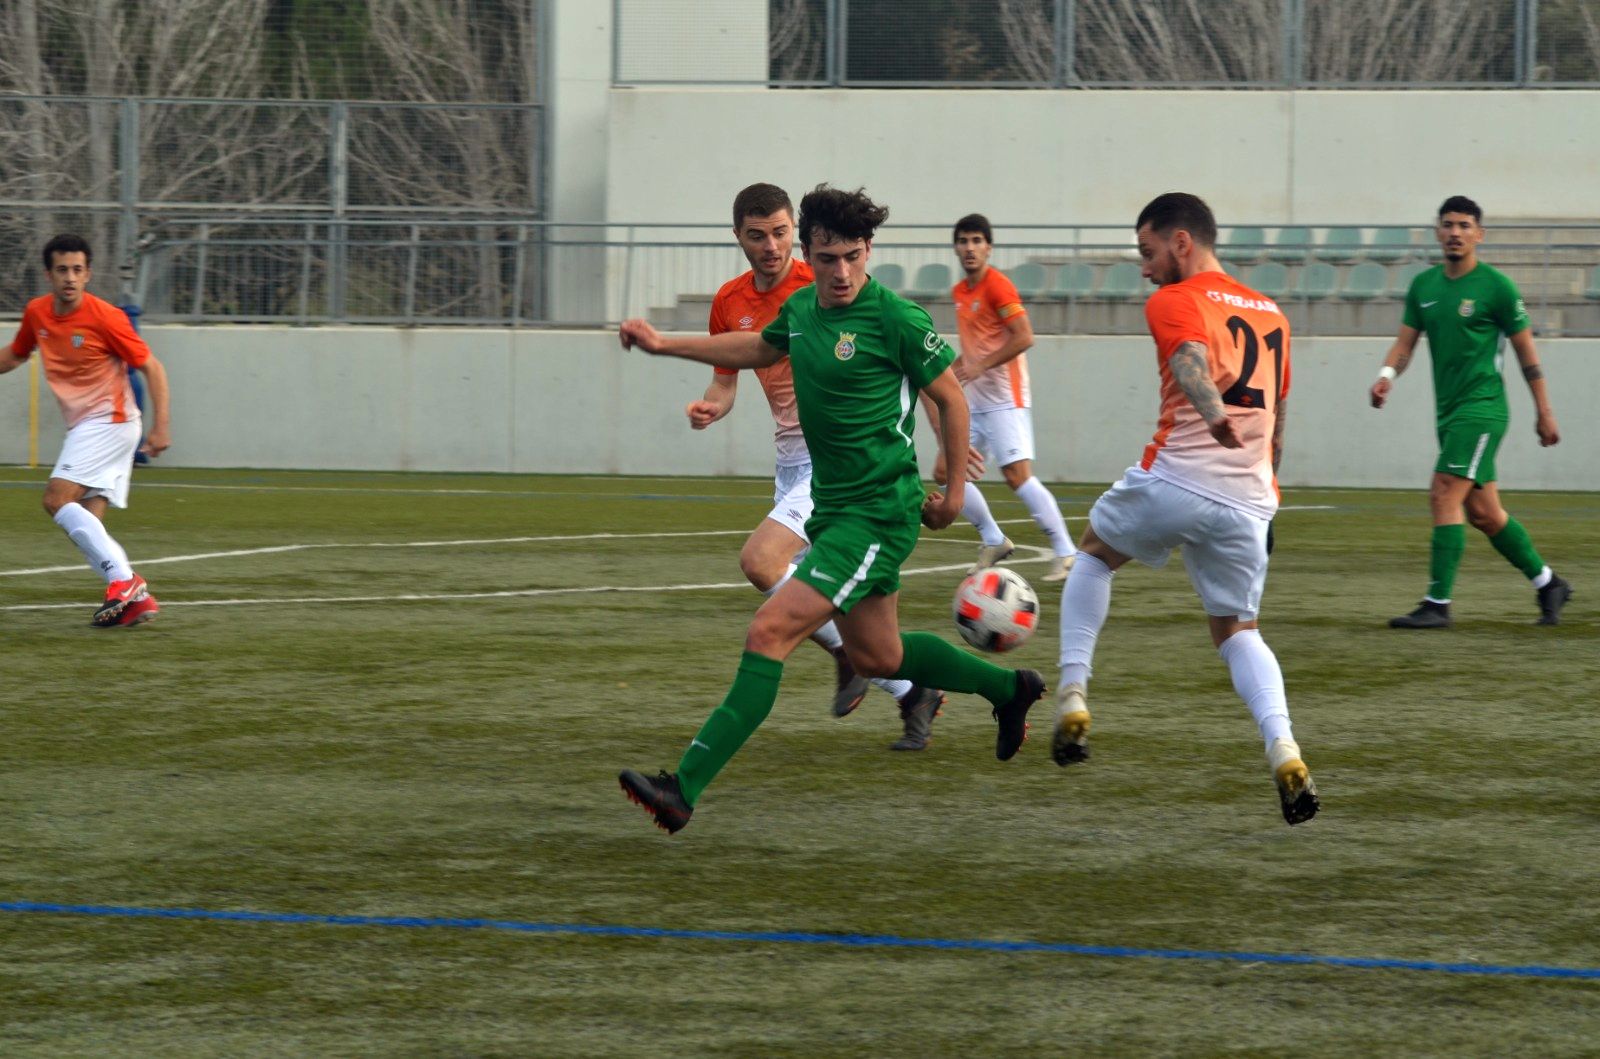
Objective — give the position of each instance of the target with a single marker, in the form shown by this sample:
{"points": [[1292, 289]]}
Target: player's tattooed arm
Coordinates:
{"points": [[1192, 373], [1277, 434]]}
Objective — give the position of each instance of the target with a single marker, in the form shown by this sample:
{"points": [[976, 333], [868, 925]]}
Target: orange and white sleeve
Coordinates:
{"points": [[1003, 297], [25, 342], [121, 337], [1174, 319]]}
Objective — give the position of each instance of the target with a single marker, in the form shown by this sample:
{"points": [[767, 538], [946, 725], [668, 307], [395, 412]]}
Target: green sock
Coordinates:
{"points": [[1514, 543], [1449, 545], [749, 700], [935, 663]]}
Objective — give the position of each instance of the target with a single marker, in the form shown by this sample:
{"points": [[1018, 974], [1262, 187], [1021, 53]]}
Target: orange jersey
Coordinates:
{"points": [[1247, 345], [738, 306], [85, 354], [981, 315]]}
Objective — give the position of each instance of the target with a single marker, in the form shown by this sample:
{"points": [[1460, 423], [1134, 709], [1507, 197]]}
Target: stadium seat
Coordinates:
{"points": [[1592, 291], [1400, 279], [932, 283], [1244, 244], [1390, 244], [1365, 282], [1269, 278], [1233, 270], [1029, 279], [1293, 244], [891, 276], [1317, 281], [1341, 245], [1122, 281], [1074, 280]]}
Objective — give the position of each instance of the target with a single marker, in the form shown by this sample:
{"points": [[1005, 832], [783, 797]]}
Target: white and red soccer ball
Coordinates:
{"points": [[996, 610]]}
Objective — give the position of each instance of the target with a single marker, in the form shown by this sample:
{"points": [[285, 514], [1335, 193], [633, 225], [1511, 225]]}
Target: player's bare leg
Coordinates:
{"points": [[767, 560], [81, 517], [788, 617], [993, 545], [1486, 515], [1046, 514]]}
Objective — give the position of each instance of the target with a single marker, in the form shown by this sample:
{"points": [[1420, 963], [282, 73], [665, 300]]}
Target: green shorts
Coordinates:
{"points": [[852, 558], [1467, 448]]}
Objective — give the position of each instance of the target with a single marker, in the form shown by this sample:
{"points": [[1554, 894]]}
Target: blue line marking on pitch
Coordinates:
{"points": [[800, 938]]}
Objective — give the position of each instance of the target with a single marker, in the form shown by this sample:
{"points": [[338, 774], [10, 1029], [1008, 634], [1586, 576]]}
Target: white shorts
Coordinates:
{"points": [[1004, 435], [98, 453], [791, 498], [1224, 549]]}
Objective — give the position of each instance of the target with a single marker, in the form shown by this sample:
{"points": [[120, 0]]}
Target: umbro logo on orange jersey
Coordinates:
{"points": [[746, 322]]}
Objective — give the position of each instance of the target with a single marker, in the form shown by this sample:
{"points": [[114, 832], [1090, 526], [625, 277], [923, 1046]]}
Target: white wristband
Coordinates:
{"points": [[1387, 372]]}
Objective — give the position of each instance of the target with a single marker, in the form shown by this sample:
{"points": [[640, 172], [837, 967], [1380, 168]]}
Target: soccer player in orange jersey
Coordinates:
{"points": [[993, 369], [1207, 483], [86, 345], [763, 222]]}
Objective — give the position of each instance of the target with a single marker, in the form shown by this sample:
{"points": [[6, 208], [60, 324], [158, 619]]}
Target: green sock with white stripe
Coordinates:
{"points": [[1514, 543], [935, 663], [1449, 545], [749, 700]]}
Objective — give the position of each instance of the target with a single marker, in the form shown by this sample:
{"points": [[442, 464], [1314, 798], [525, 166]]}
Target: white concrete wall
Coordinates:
{"points": [[1096, 157], [692, 40], [574, 402]]}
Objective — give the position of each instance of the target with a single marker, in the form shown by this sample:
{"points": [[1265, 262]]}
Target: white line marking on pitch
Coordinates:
{"points": [[436, 597], [279, 548]]}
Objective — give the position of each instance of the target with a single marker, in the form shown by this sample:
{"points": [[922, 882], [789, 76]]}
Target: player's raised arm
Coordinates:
{"points": [[1395, 363], [732, 349], [1528, 357], [954, 422], [1192, 372]]}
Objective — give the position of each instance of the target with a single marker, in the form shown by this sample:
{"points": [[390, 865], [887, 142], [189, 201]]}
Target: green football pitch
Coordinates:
{"points": [[404, 699]]}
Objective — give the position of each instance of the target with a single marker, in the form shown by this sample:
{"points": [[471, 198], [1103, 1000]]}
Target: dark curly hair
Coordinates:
{"points": [[1462, 204], [845, 214], [1176, 209], [67, 243]]}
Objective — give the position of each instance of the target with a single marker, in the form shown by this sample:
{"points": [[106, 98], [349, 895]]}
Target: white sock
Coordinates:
{"points": [[1259, 682], [1543, 577], [1085, 602], [105, 555], [975, 509], [1042, 506], [897, 688]]}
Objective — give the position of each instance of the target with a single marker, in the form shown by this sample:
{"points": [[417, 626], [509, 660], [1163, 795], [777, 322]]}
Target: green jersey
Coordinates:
{"points": [[857, 369], [1464, 319]]}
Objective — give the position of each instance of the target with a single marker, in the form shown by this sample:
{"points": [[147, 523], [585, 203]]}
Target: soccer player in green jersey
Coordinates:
{"points": [[1465, 306], [860, 354]]}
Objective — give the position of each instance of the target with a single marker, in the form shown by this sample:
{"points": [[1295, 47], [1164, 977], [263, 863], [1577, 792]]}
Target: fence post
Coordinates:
{"points": [[128, 190], [1293, 14], [339, 194], [1530, 34]]}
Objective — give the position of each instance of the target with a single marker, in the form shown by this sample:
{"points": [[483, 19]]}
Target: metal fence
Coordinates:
{"points": [[172, 174], [509, 272], [1109, 43]]}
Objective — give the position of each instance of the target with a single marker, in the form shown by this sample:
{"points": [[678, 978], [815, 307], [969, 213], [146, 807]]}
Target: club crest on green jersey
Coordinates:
{"points": [[846, 346], [1466, 307]]}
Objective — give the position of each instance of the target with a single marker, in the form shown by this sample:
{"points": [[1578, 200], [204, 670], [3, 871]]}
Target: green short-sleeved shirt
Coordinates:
{"points": [[857, 370], [1464, 319]]}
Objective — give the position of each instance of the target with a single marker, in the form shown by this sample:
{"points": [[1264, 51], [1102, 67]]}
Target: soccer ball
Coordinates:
{"points": [[996, 610]]}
